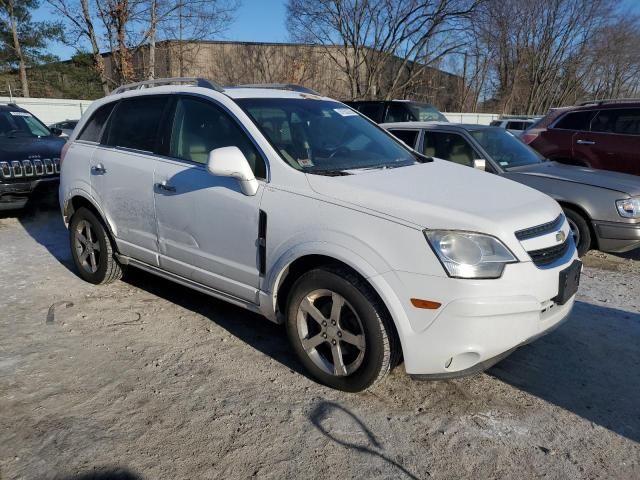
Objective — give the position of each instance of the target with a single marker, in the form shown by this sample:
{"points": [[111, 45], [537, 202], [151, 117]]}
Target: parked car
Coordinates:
{"points": [[66, 126], [603, 208], [294, 206], [397, 111], [602, 134], [515, 125], [29, 157]]}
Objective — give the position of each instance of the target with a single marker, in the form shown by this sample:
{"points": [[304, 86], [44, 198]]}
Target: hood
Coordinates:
{"points": [[21, 148], [442, 195], [620, 182]]}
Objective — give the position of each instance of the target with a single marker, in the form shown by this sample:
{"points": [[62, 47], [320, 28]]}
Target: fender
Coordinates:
{"points": [[82, 192]]}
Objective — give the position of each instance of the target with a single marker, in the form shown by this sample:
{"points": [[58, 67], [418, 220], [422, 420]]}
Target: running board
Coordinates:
{"points": [[189, 283]]}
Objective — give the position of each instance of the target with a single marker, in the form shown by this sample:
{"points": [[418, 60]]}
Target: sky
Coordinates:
{"points": [[256, 21]]}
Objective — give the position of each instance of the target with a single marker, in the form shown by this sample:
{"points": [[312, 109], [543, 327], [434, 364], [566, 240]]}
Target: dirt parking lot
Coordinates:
{"points": [[146, 379]]}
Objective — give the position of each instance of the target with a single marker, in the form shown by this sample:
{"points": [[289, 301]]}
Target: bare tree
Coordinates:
{"points": [[383, 47]]}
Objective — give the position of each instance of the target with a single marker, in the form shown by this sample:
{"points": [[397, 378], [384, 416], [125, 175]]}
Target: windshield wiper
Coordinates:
{"points": [[328, 173]]}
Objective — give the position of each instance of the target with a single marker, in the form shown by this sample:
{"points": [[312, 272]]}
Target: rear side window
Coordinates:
{"points": [[448, 146], [399, 113], [135, 122], [92, 130], [575, 121], [496, 123], [407, 136], [200, 126], [516, 125], [624, 121]]}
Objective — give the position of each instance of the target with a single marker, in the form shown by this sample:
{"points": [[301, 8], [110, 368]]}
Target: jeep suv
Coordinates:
{"points": [[381, 111], [29, 157], [295, 206], [602, 134]]}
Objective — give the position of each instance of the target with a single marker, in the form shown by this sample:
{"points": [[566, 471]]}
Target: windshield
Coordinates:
{"points": [[505, 149], [324, 137], [423, 112], [21, 124]]}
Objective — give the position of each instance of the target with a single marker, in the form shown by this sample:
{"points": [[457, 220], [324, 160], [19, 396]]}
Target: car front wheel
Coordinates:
{"points": [[339, 329], [579, 229]]}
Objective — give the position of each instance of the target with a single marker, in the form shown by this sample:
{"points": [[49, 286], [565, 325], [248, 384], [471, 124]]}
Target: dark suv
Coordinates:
{"points": [[29, 156], [381, 111], [603, 134]]}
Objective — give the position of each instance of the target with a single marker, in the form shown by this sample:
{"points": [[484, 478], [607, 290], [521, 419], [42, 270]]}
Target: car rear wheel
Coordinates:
{"points": [[339, 329], [579, 229], [91, 248]]}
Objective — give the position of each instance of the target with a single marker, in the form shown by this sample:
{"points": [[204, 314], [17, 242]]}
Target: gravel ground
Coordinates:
{"points": [[146, 379]]}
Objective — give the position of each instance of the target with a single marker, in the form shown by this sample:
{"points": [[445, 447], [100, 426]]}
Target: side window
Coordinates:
{"points": [[407, 136], [135, 122], [372, 110], [399, 112], [93, 128], [516, 125], [495, 123], [623, 121], [575, 121], [200, 126], [448, 146]]}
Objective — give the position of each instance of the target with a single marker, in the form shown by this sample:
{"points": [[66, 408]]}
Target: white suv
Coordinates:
{"points": [[297, 207]]}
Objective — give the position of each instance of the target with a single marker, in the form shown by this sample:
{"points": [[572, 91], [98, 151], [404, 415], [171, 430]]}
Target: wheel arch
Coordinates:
{"points": [[79, 199], [587, 218]]}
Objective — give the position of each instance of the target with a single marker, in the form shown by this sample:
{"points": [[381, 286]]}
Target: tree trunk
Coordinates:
{"points": [[151, 74], [98, 61], [18, 51]]}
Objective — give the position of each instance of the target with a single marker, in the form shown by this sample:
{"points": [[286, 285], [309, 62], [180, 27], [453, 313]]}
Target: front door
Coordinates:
{"points": [[207, 228]]}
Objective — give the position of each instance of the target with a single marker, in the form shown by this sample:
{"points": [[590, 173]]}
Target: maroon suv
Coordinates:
{"points": [[601, 134]]}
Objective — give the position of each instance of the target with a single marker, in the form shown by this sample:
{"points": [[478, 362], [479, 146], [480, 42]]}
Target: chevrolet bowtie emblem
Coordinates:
{"points": [[561, 236]]}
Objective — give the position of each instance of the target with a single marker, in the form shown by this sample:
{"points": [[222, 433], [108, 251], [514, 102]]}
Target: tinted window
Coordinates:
{"points": [[575, 121], [517, 125], [448, 146], [372, 110], [399, 112], [407, 136], [200, 126], [135, 122], [93, 128], [624, 121], [496, 123]]}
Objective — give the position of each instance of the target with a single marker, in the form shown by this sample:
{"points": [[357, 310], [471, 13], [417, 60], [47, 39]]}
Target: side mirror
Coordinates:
{"points": [[231, 162], [56, 131], [480, 164]]}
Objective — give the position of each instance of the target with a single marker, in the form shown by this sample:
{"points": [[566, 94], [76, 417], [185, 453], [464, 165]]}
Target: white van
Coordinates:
{"points": [[295, 206]]}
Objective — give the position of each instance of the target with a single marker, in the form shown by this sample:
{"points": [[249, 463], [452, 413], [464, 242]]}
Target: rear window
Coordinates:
{"points": [[624, 121], [92, 130], [135, 122], [575, 121], [407, 136]]}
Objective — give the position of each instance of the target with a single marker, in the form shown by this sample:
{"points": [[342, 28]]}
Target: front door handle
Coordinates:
{"points": [[585, 142], [165, 186], [98, 169]]}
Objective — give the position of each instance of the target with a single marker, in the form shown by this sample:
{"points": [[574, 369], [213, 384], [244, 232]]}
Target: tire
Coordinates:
{"points": [[363, 334], [92, 249], [580, 229]]}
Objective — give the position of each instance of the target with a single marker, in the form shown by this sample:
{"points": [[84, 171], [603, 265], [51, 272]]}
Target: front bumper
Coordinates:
{"points": [[617, 237], [478, 321], [15, 195]]}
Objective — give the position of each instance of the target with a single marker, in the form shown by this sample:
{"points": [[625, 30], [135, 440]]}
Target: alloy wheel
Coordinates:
{"points": [[331, 332], [87, 246]]}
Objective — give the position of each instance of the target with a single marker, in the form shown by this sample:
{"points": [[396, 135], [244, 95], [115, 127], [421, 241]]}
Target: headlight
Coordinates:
{"points": [[629, 207], [469, 255]]}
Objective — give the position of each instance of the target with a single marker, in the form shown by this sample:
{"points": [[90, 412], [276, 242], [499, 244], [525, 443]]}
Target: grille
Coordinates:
{"points": [[540, 230], [546, 256], [29, 168]]}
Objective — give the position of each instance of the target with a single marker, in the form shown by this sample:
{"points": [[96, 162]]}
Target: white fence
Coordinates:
{"points": [[51, 110]]}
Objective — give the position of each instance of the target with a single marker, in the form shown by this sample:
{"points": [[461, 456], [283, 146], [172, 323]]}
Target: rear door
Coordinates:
{"points": [[122, 169], [613, 142]]}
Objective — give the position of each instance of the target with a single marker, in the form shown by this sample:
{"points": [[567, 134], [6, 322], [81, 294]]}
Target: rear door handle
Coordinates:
{"points": [[98, 169], [165, 186], [585, 142]]}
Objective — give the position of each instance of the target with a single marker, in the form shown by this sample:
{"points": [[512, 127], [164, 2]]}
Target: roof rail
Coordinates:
{"points": [[608, 100], [157, 82], [280, 86]]}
